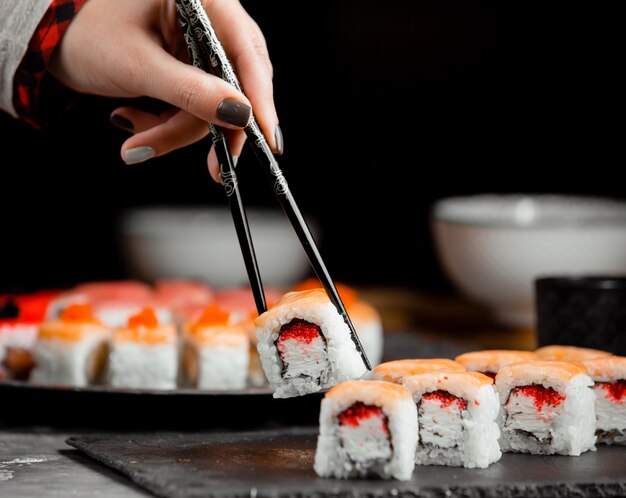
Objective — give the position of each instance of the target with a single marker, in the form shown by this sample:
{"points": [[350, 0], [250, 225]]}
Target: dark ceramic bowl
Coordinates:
{"points": [[582, 311]]}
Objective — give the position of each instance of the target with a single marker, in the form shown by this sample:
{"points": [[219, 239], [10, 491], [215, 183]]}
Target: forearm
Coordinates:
{"points": [[18, 21]]}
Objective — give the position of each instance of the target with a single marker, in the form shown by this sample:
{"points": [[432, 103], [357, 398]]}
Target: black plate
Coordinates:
{"points": [[107, 407], [103, 407]]}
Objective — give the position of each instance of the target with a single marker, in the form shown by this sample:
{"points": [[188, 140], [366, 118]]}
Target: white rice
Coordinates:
{"points": [[223, 367], [143, 366]]}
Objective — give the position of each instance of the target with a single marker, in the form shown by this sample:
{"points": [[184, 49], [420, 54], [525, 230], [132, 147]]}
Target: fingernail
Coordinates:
{"points": [[139, 154], [278, 138], [234, 112], [121, 122], [235, 159]]}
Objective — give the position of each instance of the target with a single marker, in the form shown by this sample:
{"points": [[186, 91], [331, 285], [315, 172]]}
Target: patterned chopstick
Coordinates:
{"points": [[220, 65], [200, 58]]}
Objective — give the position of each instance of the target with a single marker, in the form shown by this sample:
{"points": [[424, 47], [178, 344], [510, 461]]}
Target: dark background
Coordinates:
{"points": [[385, 107]]}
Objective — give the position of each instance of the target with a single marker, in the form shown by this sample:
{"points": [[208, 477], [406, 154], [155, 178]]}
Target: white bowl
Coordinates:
{"points": [[493, 247], [201, 243]]}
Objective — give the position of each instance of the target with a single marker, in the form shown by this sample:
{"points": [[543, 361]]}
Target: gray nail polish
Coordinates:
{"points": [[121, 122], [234, 112], [278, 137], [139, 154]]}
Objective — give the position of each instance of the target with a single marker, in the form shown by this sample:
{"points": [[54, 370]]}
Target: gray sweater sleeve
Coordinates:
{"points": [[18, 21]]}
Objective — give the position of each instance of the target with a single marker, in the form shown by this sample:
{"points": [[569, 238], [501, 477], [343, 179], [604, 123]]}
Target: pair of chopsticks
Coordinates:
{"points": [[207, 53]]}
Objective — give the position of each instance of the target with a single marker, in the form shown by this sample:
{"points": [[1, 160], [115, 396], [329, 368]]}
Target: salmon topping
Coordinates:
{"points": [[541, 395]]}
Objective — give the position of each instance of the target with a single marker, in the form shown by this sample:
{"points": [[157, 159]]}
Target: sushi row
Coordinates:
{"points": [[77, 349], [195, 321], [468, 411]]}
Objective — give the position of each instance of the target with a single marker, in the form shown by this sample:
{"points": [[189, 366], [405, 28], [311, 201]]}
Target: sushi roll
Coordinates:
{"points": [[71, 350], [457, 418], [367, 428], [569, 353], [547, 407], [609, 375], [20, 319], [396, 371], [183, 297], [489, 361], [113, 303], [215, 351], [144, 354], [365, 318], [240, 303], [305, 345]]}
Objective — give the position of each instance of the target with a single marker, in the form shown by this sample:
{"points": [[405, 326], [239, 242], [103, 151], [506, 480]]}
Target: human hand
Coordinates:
{"points": [[121, 48]]}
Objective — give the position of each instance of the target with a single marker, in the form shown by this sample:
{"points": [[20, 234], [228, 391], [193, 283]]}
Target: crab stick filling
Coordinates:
{"points": [[532, 408], [440, 415], [302, 349], [363, 431]]}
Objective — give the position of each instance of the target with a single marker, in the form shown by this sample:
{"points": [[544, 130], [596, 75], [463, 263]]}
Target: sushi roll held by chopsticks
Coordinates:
{"points": [[547, 408], [144, 353], [71, 350], [457, 418], [305, 346], [367, 428]]}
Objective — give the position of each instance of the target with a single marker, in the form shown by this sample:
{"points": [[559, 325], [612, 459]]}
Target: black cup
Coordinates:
{"points": [[582, 311]]}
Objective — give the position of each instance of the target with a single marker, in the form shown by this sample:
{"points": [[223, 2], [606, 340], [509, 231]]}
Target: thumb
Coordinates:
{"points": [[201, 94]]}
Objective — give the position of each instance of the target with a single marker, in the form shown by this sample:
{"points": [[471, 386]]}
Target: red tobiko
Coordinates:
{"points": [[541, 395], [358, 412]]}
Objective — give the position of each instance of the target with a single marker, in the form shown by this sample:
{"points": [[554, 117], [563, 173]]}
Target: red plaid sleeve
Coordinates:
{"points": [[37, 96]]}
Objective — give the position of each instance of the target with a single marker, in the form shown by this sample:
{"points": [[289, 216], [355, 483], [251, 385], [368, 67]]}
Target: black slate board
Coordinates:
{"points": [[279, 464]]}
